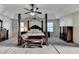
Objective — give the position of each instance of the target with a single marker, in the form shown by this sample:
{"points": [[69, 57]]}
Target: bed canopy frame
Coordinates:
{"points": [[35, 26]]}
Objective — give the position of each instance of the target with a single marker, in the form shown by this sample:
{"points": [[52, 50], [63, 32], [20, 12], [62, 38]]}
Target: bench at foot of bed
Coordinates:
{"points": [[32, 42]]}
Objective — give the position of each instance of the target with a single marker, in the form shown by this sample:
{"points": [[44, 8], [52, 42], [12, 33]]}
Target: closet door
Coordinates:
{"points": [[70, 34]]}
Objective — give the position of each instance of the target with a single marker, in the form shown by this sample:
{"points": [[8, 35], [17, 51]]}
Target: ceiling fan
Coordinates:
{"points": [[33, 10]]}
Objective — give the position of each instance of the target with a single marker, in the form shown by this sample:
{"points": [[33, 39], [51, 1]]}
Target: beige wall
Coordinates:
{"points": [[76, 27], [14, 28], [7, 23], [66, 21], [56, 27]]}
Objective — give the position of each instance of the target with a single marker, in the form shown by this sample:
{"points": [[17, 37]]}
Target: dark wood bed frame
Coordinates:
{"points": [[33, 27]]}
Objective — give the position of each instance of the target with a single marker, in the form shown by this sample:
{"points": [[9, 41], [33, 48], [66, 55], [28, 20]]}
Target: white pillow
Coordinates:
{"points": [[35, 30]]}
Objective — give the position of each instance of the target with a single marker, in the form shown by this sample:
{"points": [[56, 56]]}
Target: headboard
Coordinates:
{"points": [[35, 27]]}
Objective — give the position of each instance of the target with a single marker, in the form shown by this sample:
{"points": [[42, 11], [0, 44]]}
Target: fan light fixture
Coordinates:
{"points": [[33, 10], [32, 13]]}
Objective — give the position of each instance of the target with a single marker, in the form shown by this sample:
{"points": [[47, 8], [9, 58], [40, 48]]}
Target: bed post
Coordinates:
{"points": [[46, 29], [42, 25], [1, 23], [28, 24], [46, 23], [19, 38]]}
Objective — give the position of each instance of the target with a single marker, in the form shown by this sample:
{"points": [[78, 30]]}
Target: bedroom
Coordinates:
{"points": [[14, 15]]}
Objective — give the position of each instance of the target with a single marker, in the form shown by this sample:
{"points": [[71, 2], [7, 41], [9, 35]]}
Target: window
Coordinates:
{"points": [[50, 26], [22, 26]]}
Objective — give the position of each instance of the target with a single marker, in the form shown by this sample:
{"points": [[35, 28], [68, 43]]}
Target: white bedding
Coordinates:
{"points": [[30, 33]]}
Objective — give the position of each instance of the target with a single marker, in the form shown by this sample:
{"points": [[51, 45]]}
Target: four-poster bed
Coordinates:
{"points": [[35, 33]]}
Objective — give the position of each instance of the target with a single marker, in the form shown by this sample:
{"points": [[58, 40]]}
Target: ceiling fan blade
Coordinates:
{"points": [[33, 9], [38, 12], [27, 9], [27, 12], [37, 8]]}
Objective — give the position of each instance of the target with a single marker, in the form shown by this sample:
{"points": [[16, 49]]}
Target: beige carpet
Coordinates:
{"points": [[10, 47], [55, 46]]}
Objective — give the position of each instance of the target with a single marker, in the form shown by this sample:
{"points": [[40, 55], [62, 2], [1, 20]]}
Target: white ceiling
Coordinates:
{"points": [[54, 11]]}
